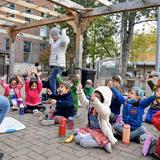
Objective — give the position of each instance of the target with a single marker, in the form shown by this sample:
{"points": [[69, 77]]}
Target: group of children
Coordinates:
{"points": [[99, 103]]}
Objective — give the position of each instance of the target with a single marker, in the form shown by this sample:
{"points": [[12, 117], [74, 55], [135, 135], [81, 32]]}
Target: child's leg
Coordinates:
{"points": [[118, 127], [14, 103], [78, 138], [137, 132], [88, 141]]}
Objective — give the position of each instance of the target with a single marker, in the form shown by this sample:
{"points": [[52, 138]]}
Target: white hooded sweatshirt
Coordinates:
{"points": [[102, 109]]}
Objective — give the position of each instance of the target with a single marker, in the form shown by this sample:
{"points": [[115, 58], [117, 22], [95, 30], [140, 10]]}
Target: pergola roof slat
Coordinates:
{"points": [[11, 19], [105, 2], [34, 7], [68, 4], [23, 14]]}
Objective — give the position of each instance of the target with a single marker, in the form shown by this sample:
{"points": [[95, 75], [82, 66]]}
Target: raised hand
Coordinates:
{"points": [[53, 101], [92, 98], [49, 92], [79, 87]]}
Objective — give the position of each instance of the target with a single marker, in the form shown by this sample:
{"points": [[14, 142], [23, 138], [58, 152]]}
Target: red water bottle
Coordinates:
{"points": [[62, 127]]}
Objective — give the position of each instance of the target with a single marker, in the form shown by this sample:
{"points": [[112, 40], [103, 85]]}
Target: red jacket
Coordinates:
{"points": [[17, 90], [156, 123], [33, 96]]}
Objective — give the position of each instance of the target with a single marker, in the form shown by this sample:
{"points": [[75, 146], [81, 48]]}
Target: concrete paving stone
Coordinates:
{"points": [[69, 156], [21, 152], [5, 148], [22, 158], [36, 156], [52, 153], [56, 157]]}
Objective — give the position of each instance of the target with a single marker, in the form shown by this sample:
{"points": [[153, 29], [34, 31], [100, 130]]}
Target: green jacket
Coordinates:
{"points": [[88, 91]]}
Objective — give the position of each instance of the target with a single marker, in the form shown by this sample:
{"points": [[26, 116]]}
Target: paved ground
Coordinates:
{"points": [[37, 142]]}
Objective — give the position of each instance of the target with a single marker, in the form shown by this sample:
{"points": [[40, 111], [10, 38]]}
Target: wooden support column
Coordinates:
{"points": [[12, 51], [79, 50]]}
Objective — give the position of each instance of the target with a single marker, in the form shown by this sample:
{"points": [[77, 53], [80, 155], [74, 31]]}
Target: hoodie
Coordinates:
{"points": [[102, 109]]}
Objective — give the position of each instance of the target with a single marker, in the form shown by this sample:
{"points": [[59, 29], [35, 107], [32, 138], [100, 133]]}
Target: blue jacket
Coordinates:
{"points": [[133, 112], [64, 105]]}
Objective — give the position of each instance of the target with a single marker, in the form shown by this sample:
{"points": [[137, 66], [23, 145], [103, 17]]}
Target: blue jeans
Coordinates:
{"points": [[53, 82], [4, 107], [134, 133]]}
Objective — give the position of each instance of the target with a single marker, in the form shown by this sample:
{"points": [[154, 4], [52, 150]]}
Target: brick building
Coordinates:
{"points": [[28, 42]]}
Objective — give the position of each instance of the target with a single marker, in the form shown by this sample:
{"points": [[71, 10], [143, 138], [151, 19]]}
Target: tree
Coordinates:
{"points": [[140, 50], [101, 43]]}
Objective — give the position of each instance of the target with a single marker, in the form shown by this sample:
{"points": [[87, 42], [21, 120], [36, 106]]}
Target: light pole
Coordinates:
{"points": [[158, 42]]}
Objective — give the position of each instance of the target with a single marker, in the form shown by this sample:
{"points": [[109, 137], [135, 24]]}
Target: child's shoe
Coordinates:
{"points": [[48, 122], [14, 108], [108, 147], [37, 113]]}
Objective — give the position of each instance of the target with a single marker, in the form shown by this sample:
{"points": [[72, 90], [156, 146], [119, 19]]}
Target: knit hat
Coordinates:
{"points": [[55, 31], [139, 91], [67, 84]]}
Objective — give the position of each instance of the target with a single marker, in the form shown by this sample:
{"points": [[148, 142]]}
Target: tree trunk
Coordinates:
{"points": [[128, 20]]}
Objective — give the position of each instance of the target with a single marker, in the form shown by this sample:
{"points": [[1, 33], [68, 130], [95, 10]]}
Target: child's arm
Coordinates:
{"points": [[81, 96], [151, 84], [146, 102], [21, 83], [40, 85], [27, 85], [64, 38], [118, 95], [3, 82]]}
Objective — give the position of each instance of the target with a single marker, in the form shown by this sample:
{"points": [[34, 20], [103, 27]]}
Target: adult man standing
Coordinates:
{"points": [[59, 41], [4, 108]]}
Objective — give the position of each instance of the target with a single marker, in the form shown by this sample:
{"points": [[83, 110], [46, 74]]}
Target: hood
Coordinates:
{"points": [[106, 93]]}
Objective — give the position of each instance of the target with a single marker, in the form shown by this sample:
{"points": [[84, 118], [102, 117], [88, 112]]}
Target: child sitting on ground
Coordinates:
{"points": [[98, 132], [33, 89], [63, 102], [133, 110], [13, 90], [4, 109], [88, 89], [155, 146], [155, 106]]}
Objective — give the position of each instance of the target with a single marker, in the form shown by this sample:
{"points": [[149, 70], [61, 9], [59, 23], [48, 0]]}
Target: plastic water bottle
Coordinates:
{"points": [[126, 134], [147, 144], [70, 123], [50, 113], [21, 109], [62, 128]]}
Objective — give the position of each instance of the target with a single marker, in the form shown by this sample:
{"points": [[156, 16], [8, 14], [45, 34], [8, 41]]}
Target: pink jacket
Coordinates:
{"points": [[17, 90], [33, 96]]}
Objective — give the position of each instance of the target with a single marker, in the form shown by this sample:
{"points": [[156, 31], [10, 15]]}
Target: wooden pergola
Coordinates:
{"points": [[77, 16]]}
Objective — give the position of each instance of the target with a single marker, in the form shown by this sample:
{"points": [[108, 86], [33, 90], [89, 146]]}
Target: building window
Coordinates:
{"points": [[7, 44], [11, 6], [27, 47], [43, 46], [28, 10]]}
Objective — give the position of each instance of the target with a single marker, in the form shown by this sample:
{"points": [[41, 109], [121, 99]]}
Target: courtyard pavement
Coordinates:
{"points": [[37, 142]]}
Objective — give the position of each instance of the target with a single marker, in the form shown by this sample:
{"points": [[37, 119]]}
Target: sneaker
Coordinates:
{"points": [[37, 113], [108, 147], [14, 108], [48, 122]]}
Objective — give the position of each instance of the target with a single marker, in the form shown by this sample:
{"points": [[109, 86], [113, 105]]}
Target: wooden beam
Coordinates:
{"points": [[68, 4], [122, 7], [34, 7], [105, 2], [45, 22], [11, 19], [19, 13]]}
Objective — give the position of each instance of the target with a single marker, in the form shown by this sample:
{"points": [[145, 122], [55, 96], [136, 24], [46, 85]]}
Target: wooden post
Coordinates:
{"points": [[79, 50], [12, 51]]}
